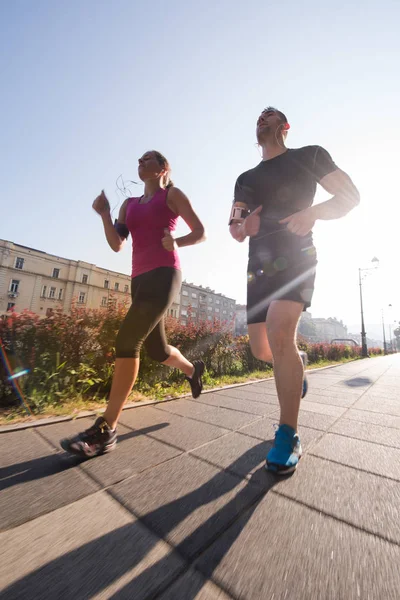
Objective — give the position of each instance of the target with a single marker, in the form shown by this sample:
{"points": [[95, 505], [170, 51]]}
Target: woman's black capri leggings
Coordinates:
{"points": [[152, 294]]}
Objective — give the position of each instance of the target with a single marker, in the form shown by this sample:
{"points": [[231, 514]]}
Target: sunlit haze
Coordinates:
{"points": [[87, 87]]}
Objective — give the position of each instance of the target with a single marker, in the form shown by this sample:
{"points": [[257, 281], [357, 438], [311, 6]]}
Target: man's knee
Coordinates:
{"points": [[281, 341]]}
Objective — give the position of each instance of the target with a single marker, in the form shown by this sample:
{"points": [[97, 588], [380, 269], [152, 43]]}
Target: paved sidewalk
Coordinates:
{"points": [[184, 508]]}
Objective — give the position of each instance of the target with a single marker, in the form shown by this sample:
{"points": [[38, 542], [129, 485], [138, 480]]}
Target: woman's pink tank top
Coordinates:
{"points": [[146, 224]]}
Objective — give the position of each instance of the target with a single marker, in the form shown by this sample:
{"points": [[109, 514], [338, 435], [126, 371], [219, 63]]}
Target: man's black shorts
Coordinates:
{"points": [[287, 278]]}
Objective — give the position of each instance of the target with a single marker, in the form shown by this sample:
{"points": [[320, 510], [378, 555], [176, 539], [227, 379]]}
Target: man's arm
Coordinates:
{"points": [[345, 196], [237, 218]]}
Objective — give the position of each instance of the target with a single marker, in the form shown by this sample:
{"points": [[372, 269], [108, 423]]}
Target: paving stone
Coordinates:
{"points": [[345, 493], [247, 394], [379, 405], [361, 455], [322, 409], [265, 430], [186, 501], [281, 550], [180, 432], [343, 401], [364, 416], [315, 420], [193, 586], [368, 432], [34, 480], [229, 419], [243, 455], [135, 451], [334, 392], [242, 405], [92, 548]]}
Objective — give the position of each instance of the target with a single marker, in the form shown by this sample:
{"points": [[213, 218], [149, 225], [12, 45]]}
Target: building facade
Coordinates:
{"points": [[40, 282]]}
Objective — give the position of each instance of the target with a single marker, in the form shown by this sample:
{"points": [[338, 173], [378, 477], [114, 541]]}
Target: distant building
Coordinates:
{"points": [[329, 329], [204, 304], [241, 320]]}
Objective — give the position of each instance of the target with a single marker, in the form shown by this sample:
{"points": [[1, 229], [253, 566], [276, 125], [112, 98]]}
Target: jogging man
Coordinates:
{"points": [[273, 207]]}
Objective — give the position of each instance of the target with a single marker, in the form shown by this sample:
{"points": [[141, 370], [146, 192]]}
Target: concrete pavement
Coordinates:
{"points": [[184, 509]]}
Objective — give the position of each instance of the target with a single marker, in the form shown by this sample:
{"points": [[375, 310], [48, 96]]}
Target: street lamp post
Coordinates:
{"points": [[364, 346], [384, 335]]}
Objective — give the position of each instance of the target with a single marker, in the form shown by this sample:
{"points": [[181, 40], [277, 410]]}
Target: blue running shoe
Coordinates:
{"points": [[284, 456], [304, 358]]}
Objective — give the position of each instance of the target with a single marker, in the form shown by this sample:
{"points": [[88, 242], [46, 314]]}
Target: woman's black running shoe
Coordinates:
{"points": [[98, 439], [195, 381]]}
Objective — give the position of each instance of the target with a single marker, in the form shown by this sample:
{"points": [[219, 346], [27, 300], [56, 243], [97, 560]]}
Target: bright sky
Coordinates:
{"points": [[87, 87]]}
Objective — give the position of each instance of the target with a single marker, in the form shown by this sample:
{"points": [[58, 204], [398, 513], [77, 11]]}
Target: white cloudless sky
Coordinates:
{"points": [[87, 87]]}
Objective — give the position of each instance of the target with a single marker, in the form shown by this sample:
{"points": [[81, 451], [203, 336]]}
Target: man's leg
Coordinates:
{"points": [[276, 340], [281, 326]]}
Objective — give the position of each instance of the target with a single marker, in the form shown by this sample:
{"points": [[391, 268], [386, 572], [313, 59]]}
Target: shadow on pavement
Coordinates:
{"points": [[358, 381], [45, 466], [93, 567]]}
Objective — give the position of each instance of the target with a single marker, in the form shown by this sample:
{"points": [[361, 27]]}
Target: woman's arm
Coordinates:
{"points": [[179, 203], [102, 206]]}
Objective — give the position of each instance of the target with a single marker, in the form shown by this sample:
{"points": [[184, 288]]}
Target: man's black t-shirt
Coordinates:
{"points": [[282, 185]]}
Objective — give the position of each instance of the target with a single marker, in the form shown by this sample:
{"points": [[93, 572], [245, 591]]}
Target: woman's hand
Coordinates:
{"points": [[168, 241], [101, 205]]}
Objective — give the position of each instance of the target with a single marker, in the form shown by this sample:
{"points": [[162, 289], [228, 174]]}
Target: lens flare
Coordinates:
{"points": [[13, 378]]}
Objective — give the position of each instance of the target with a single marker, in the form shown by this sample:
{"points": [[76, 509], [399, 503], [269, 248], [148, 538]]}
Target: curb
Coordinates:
{"points": [[90, 413]]}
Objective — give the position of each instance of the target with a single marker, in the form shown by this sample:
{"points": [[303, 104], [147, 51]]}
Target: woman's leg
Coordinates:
{"points": [[125, 374], [158, 349]]}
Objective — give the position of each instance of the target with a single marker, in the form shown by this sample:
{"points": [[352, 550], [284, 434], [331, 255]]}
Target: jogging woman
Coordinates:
{"points": [[156, 280]]}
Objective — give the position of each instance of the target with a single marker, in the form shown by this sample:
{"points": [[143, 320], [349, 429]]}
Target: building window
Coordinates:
{"points": [[209, 308], [84, 278], [104, 301], [52, 292], [184, 313], [81, 299], [194, 295], [209, 299], [185, 293], [116, 287], [14, 286], [126, 289], [106, 284], [209, 318], [44, 290], [217, 310], [10, 306], [60, 294], [217, 302], [19, 263], [224, 312], [56, 273]]}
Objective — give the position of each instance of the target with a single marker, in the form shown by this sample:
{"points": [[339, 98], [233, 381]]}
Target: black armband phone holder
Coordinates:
{"points": [[121, 229]]}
